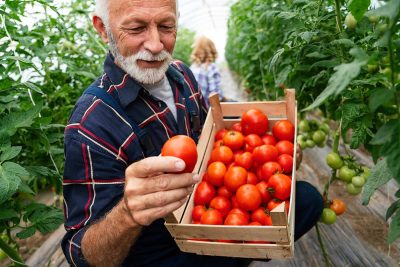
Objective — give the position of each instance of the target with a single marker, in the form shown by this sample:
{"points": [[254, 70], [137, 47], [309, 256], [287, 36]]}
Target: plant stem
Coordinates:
{"points": [[339, 27], [335, 149], [12, 254], [324, 251]]}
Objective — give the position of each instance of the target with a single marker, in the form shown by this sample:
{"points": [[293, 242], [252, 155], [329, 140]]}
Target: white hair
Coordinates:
{"points": [[101, 10]]}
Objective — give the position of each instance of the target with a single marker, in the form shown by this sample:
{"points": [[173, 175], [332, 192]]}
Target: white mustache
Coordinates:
{"points": [[146, 55]]}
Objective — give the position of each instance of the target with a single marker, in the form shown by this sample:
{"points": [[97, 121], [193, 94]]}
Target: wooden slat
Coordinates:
{"points": [[290, 99], [216, 111], [259, 251], [276, 109]]}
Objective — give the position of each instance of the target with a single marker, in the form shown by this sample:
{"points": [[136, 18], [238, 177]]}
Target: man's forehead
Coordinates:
{"points": [[123, 4]]}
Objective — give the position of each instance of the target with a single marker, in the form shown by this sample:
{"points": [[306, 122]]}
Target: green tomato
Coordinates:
{"points": [[358, 181], [350, 21], [301, 138], [366, 172], [382, 27], [346, 174], [310, 143], [353, 190], [328, 216], [386, 71], [373, 18], [325, 128], [304, 126], [3, 255], [372, 68], [319, 137], [334, 161], [303, 144], [321, 144]]}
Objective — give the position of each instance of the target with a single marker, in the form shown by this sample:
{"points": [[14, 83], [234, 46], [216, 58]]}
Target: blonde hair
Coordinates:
{"points": [[204, 51]]}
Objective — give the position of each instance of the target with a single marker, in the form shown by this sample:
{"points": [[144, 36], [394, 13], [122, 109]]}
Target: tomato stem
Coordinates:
{"points": [[12, 254], [324, 251], [339, 26]]}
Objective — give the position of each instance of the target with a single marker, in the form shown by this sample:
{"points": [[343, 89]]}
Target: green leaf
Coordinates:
{"points": [[385, 133], [345, 42], [341, 78], [45, 218], [394, 228], [358, 8], [33, 87], [390, 10], [9, 183], [12, 121], [24, 188], [380, 175], [28, 232], [6, 214], [392, 209], [397, 194], [9, 152], [15, 168], [316, 55], [379, 97]]}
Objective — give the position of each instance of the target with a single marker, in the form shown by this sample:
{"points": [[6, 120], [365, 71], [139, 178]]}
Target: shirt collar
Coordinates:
{"points": [[127, 87]]}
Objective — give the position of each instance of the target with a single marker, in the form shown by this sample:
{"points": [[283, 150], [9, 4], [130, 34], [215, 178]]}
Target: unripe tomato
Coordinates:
{"points": [[183, 147], [338, 206], [353, 190], [310, 143], [325, 128], [334, 161], [373, 18], [350, 21], [328, 216], [304, 126], [358, 181], [319, 137], [346, 174]]}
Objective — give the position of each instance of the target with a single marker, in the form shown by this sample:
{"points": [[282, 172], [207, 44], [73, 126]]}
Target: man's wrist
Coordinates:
{"points": [[127, 215]]}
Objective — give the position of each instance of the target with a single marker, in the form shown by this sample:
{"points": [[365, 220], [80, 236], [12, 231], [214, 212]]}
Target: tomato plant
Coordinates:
{"points": [[183, 147]]}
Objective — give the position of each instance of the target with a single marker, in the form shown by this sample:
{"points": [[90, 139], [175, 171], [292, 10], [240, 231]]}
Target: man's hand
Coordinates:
{"points": [[153, 189]]}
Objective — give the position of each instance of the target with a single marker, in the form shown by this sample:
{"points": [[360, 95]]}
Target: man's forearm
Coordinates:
{"points": [[107, 242]]}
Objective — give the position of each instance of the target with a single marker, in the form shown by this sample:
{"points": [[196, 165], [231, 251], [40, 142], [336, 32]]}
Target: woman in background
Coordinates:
{"points": [[205, 69]]}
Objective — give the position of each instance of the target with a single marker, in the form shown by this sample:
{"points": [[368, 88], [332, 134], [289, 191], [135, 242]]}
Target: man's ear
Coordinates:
{"points": [[100, 28]]}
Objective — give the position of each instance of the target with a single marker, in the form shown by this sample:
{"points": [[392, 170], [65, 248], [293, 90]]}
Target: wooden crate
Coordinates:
{"points": [[281, 234]]}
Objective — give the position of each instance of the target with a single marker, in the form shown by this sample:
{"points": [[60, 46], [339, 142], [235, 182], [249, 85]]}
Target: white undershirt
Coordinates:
{"points": [[163, 91]]}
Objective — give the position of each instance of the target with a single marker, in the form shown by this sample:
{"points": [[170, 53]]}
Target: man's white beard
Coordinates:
{"points": [[130, 66]]}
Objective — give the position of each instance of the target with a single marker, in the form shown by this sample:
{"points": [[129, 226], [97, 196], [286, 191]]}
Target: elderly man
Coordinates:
{"points": [[116, 188]]}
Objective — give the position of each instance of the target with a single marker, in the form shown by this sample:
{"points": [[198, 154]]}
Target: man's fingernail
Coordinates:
{"points": [[180, 165], [196, 177]]}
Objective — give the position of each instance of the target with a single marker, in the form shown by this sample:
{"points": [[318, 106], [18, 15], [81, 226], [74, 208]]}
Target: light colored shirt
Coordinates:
{"points": [[209, 79]]}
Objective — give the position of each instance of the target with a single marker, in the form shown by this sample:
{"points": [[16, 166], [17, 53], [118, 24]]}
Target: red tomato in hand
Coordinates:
{"points": [[254, 121], [244, 160], [222, 204], [197, 212], [236, 219], [235, 177], [283, 130], [248, 197], [204, 193], [286, 161], [268, 169], [215, 173], [213, 217], [233, 139], [265, 153], [285, 147], [280, 185], [183, 147], [223, 154]]}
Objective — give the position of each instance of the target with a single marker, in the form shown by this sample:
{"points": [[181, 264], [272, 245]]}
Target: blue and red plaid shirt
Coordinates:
{"points": [[100, 145]]}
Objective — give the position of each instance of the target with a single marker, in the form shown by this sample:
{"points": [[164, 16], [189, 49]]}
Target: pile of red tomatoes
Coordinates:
{"points": [[248, 174]]}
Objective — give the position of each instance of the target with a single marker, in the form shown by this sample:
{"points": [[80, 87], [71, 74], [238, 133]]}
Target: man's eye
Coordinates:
{"points": [[137, 29], [167, 27]]}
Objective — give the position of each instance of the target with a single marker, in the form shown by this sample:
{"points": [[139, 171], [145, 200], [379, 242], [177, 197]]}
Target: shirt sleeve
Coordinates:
{"points": [[214, 80], [93, 183]]}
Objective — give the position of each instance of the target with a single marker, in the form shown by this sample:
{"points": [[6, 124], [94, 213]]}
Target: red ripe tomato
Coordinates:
{"points": [[251, 178], [268, 220], [240, 211], [205, 176], [254, 121], [280, 185], [220, 134], [211, 216], [273, 203], [283, 130], [263, 189], [234, 201], [255, 224], [235, 177], [237, 127], [252, 141], [268, 139], [183, 147], [236, 219], [244, 160], [248, 197], [286, 161], [218, 143], [259, 215], [222, 191], [285, 147], [268, 169], [204, 193], [223, 154], [197, 212], [215, 173], [222, 204], [234, 140], [265, 153]]}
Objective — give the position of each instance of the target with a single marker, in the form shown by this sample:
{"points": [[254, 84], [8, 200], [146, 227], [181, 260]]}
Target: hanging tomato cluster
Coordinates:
{"points": [[248, 174]]}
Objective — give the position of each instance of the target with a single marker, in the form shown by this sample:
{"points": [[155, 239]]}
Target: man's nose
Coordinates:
{"points": [[153, 43]]}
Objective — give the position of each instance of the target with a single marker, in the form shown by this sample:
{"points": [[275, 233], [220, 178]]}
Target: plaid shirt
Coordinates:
{"points": [[209, 79], [100, 144]]}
